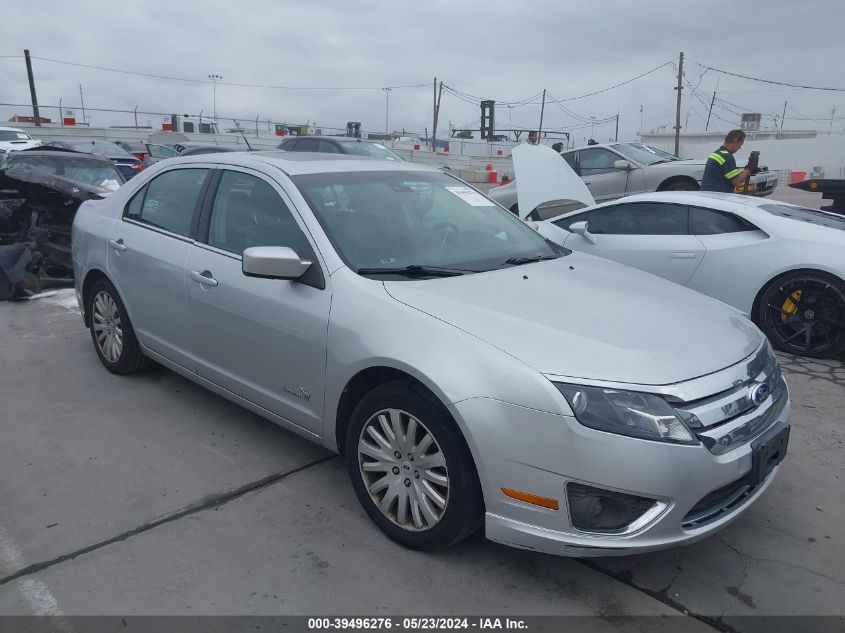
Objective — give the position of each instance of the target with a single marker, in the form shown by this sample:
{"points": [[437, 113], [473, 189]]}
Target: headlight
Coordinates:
{"points": [[630, 413]]}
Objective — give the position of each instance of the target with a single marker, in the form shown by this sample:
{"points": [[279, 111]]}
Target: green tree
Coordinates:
{"points": [[464, 134]]}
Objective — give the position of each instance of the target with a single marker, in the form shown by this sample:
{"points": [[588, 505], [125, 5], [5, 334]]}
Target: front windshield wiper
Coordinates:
{"points": [[518, 261], [416, 270]]}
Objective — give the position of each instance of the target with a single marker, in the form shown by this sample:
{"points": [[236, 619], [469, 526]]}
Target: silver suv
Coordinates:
{"points": [[472, 373]]}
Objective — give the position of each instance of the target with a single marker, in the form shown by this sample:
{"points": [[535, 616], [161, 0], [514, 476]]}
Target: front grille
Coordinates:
{"points": [[717, 503]]}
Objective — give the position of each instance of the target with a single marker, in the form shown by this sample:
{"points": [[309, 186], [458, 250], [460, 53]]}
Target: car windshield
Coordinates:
{"points": [[372, 150], [803, 214], [399, 219], [644, 154], [109, 150], [85, 170], [14, 135]]}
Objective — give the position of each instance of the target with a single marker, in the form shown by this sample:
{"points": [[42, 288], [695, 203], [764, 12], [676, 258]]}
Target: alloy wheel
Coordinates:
{"points": [[108, 329], [403, 469], [805, 315]]}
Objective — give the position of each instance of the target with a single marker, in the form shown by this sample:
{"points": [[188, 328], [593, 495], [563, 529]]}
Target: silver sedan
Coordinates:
{"points": [[620, 169], [472, 373]]}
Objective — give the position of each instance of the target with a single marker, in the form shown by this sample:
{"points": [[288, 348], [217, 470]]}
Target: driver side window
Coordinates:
{"points": [[640, 218], [248, 212], [596, 161]]}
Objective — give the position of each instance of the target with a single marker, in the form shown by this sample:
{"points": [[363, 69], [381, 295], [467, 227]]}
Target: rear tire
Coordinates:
{"points": [[681, 185], [411, 468], [803, 312], [111, 331]]}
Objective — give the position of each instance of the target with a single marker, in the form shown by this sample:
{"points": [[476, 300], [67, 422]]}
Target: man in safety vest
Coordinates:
{"points": [[721, 172]]}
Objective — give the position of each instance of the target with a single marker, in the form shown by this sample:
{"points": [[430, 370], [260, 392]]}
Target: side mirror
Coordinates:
{"points": [[622, 165], [273, 262], [580, 228]]}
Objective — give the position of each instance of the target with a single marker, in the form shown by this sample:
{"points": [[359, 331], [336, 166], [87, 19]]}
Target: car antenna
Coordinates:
{"points": [[238, 125]]}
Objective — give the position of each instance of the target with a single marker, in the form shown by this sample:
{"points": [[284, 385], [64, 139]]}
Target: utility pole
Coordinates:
{"points": [[434, 113], [32, 87], [542, 109], [386, 110], [710, 111], [82, 102], [214, 79], [437, 96], [712, 101], [678, 106], [830, 129], [641, 122], [616, 136], [782, 119]]}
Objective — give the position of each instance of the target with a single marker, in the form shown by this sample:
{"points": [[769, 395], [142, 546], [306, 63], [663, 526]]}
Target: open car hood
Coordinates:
{"points": [[545, 178]]}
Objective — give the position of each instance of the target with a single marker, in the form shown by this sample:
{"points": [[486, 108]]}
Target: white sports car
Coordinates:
{"points": [[782, 265]]}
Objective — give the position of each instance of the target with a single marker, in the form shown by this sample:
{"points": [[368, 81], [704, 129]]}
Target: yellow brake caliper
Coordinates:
{"points": [[790, 306]]}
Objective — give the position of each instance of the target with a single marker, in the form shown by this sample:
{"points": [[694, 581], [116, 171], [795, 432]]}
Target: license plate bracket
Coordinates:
{"points": [[767, 451]]}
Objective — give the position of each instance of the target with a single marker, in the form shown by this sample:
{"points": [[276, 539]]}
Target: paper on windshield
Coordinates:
{"points": [[471, 197], [111, 185]]}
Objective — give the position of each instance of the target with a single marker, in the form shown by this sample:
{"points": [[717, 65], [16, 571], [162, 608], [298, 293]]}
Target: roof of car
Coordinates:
{"points": [[47, 150], [333, 138], [298, 163]]}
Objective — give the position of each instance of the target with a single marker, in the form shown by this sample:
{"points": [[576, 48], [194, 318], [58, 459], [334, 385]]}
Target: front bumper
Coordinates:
{"points": [[539, 453]]}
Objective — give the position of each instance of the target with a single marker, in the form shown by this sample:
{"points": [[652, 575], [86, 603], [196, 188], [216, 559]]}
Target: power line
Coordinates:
{"points": [[621, 83], [221, 83], [770, 81]]}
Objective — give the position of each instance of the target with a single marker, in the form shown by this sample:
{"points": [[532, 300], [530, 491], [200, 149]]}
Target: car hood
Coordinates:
{"points": [[544, 177], [584, 317]]}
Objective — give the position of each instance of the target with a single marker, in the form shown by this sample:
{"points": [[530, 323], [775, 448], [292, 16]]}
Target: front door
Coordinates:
{"points": [[650, 236], [601, 177], [263, 339]]}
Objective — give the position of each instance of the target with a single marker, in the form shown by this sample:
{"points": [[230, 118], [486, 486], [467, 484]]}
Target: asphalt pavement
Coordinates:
{"points": [[148, 495]]}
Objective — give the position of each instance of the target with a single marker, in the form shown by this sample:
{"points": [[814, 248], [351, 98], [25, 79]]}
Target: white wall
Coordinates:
{"points": [[785, 154]]}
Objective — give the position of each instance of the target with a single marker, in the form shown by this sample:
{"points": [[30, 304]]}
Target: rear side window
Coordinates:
{"points": [[712, 222], [307, 145], [288, 144], [328, 147], [569, 157], [169, 200]]}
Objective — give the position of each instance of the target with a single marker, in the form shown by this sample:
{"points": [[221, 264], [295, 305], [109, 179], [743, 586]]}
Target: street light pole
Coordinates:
{"points": [[214, 79], [386, 110]]}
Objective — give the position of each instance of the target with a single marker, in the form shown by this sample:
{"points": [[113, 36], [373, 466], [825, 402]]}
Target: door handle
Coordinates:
{"points": [[205, 278], [683, 255], [117, 245]]}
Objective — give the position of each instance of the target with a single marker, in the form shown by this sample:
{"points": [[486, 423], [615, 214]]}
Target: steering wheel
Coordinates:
{"points": [[447, 229]]}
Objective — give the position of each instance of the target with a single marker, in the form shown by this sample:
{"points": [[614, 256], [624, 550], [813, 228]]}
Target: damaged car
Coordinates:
{"points": [[40, 192]]}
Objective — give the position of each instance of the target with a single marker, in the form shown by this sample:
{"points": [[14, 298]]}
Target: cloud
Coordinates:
{"points": [[499, 50]]}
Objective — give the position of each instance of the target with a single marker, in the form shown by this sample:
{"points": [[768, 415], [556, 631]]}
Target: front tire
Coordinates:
{"points": [[111, 331], [804, 313], [411, 468]]}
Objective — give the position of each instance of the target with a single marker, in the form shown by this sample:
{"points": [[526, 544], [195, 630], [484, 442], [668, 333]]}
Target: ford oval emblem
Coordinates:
{"points": [[760, 392]]}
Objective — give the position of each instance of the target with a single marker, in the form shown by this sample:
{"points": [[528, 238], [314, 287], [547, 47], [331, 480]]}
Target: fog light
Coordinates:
{"points": [[598, 510]]}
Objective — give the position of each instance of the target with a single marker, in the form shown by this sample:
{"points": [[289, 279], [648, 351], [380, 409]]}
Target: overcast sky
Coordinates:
{"points": [[507, 51]]}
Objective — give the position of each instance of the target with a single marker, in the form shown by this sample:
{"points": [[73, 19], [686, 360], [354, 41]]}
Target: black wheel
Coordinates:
{"points": [[804, 313], [681, 185], [411, 468], [112, 333]]}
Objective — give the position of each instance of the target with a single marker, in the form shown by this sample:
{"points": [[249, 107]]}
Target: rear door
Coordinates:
{"points": [[651, 236], [263, 339], [148, 249]]}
